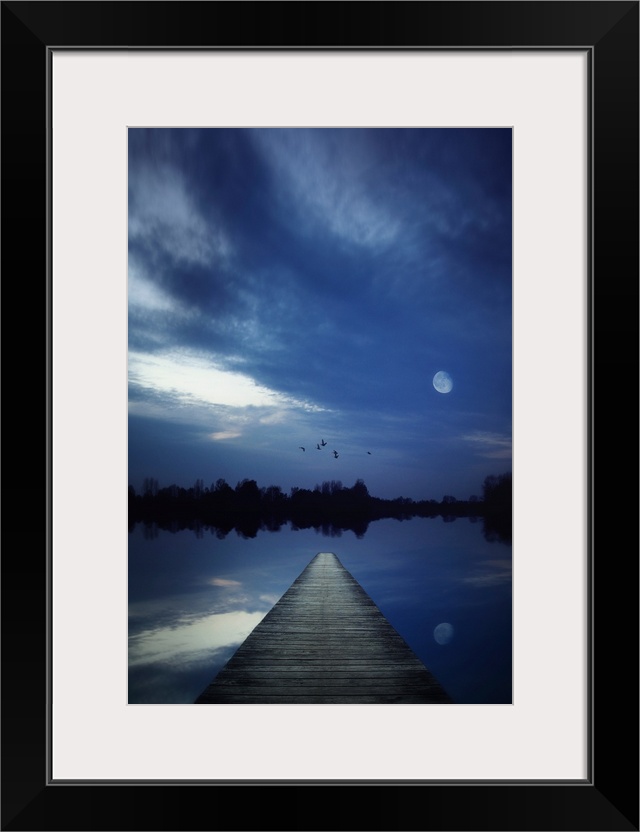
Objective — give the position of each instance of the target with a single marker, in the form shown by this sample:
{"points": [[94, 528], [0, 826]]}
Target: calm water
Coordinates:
{"points": [[193, 600]]}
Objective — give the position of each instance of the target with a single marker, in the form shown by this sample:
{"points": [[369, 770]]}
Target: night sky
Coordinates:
{"points": [[287, 286]]}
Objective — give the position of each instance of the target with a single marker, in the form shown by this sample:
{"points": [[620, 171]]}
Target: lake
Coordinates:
{"points": [[195, 597]]}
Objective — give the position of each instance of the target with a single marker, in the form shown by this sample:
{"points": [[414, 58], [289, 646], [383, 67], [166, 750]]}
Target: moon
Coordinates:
{"points": [[443, 633], [443, 382]]}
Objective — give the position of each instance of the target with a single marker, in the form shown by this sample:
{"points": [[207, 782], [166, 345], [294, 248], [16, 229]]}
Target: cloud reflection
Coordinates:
{"points": [[192, 641], [493, 573]]}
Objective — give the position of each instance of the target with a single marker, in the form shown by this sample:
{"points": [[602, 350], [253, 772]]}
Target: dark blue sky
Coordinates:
{"points": [[288, 286]]}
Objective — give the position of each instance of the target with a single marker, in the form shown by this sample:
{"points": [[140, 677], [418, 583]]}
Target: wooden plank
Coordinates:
{"points": [[324, 642]]}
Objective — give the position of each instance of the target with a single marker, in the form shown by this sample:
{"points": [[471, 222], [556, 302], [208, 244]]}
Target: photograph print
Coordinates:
{"points": [[320, 416]]}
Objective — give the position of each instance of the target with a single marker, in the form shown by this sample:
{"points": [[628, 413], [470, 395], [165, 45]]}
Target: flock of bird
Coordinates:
{"points": [[321, 445]]}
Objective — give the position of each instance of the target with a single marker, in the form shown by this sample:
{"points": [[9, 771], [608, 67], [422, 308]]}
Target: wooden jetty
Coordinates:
{"points": [[325, 641]]}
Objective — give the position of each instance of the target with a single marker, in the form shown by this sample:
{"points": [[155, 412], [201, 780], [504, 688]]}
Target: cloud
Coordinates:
{"points": [[330, 180], [223, 582], [192, 379], [490, 445], [163, 217], [146, 294]]}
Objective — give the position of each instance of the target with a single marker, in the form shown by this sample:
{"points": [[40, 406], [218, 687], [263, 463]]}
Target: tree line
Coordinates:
{"points": [[330, 507]]}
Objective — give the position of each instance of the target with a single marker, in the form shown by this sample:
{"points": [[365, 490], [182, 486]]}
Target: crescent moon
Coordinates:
{"points": [[443, 382]]}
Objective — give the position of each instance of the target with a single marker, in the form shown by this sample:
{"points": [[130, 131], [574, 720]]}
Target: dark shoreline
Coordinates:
{"points": [[331, 508]]}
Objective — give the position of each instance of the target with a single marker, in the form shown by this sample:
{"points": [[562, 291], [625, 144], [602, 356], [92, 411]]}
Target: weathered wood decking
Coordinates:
{"points": [[325, 641]]}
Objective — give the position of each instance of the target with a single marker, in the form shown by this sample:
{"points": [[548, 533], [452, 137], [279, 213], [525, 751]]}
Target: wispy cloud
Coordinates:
{"points": [[331, 185], [224, 582], [192, 379], [146, 294], [490, 445], [165, 218]]}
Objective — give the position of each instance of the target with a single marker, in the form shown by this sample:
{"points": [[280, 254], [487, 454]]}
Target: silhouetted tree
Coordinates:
{"points": [[150, 487], [273, 494], [248, 493], [497, 490], [360, 490], [330, 506], [497, 512]]}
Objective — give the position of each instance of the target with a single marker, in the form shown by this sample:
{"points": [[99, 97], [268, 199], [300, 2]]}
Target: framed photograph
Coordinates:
{"points": [[379, 195]]}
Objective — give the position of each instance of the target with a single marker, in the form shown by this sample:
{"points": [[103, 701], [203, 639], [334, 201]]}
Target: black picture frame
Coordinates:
{"points": [[608, 798]]}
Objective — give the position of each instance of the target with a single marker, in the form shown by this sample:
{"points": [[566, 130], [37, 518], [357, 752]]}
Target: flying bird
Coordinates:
{"points": [[318, 447], [369, 452], [335, 453], [322, 442], [301, 448]]}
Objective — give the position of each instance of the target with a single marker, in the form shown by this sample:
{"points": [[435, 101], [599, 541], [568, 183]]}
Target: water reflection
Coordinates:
{"points": [[330, 509], [194, 598], [187, 647]]}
